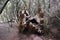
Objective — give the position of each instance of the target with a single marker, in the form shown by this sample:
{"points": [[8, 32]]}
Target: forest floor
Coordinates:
{"points": [[11, 33]]}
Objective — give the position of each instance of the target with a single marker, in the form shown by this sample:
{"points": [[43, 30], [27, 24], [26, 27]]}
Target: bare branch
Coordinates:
{"points": [[3, 6]]}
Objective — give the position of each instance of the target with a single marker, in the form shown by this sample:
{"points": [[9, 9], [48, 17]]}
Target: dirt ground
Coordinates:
{"points": [[11, 33]]}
